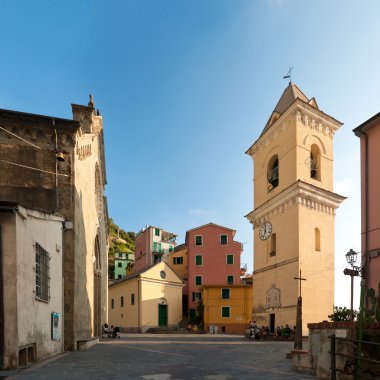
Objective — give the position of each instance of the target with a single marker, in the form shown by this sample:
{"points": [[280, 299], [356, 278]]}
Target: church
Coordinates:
{"points": [[294, 213]]}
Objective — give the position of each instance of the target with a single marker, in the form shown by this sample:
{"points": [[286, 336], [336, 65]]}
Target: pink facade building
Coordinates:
{"points": [[152, 245], [369, 134], [213, 259]]}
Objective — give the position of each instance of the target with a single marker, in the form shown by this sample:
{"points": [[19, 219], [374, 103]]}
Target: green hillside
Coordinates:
{"points": [[119, 240]]}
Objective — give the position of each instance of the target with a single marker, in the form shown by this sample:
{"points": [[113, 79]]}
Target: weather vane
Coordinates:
{"points": [[289, 75]]}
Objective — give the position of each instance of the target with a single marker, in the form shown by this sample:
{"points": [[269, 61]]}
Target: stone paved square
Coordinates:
{"points": [[171, 357]]}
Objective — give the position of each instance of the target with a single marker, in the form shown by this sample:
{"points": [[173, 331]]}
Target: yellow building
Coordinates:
{"points": [[178, 260], [293, 216], [146, 299], [226, 308]]}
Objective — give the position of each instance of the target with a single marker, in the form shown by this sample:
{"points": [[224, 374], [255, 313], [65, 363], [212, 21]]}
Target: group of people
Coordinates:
{"points": [[258, 333], [285, 332], [111, 331]]}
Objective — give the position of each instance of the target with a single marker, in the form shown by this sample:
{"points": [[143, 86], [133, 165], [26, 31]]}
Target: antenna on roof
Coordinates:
{"points": [[289, 75]]}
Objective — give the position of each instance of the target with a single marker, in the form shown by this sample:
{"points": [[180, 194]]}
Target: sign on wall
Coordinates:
{"points": [[55, 335]]}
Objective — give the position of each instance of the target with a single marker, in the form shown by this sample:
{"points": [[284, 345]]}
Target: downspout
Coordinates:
{"points": [[366, 256], [139, 302], [364, 281], [1, 304], [56, 167]]}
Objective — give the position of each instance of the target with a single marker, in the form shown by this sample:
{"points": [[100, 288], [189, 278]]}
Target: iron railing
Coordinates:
{"points": [[360, 366]]}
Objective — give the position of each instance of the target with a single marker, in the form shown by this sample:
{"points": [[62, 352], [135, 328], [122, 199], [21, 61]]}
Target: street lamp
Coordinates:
{"points": [[351, 257]]}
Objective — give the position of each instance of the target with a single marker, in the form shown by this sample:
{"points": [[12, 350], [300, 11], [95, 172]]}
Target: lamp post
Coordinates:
{"points": [[351, 257]]}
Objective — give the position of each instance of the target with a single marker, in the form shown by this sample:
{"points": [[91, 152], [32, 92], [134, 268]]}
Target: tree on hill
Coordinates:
{"points": [[119, 242]]}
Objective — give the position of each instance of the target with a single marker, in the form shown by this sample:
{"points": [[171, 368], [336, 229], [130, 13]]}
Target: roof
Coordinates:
{"points": [[148, 226], [45, 121], [288, 97], [211, 224], [8, 206], [180, 247], [371, 122], [138, 273]]}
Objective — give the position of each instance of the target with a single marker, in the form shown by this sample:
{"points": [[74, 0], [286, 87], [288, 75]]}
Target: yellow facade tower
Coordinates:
{"points": [[294, 212]]}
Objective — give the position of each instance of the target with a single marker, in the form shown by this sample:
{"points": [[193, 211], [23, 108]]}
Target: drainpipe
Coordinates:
{"points": [[56, 167], [365, 279], [138, 305], [1, 305]]}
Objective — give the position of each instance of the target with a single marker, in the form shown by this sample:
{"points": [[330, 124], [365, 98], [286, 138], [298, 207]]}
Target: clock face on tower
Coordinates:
{"points": [[265, 231]]}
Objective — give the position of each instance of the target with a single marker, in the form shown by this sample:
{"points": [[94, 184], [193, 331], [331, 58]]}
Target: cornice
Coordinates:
{"points": [[306, 115], [301, 194]]}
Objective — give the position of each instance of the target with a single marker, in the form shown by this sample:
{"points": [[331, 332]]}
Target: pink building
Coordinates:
{"points": [[369, 134], [213, 259], [152, 245]]}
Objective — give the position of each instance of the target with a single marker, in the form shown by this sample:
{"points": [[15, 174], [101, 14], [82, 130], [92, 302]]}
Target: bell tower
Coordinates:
{"points": [[294, 212]]}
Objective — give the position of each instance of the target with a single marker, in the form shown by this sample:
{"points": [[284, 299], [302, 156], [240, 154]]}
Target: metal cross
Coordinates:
{"points": [[289, 75], [300, 279]]}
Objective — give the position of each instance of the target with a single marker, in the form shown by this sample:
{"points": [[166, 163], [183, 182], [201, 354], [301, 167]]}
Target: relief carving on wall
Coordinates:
{"points": [[273, 297]]}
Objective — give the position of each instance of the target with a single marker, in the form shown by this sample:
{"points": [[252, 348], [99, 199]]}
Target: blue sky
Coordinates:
{"points": [[185, 87]]}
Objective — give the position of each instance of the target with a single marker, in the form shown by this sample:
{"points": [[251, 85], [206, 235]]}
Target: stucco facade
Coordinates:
{"points": [[27, 314], [146, 299], [227, 307], [213, 258], [152, 245], [294, 212], [369, 134], [57, 166]]}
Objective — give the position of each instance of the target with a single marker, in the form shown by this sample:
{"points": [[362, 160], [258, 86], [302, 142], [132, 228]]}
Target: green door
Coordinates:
{"points": [[162, 315]]}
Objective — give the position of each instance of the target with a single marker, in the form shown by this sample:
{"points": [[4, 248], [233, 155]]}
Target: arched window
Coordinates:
{"points": [[272, 251], [315, 162], [273, 173], [317, 239]]}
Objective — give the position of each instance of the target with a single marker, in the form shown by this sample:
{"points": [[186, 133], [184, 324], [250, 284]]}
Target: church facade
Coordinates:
{"points": [[294, 212], [54, 169]]}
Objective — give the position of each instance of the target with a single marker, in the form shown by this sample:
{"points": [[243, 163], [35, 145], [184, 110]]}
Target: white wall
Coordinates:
{"points": [[34, 316]]}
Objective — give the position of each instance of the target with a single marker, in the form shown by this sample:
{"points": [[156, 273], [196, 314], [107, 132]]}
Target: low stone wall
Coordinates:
{"points": [[318, 357]]}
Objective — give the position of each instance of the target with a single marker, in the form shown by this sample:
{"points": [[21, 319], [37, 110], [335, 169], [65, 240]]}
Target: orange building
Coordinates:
{"points": [[369, 134], [227, 308]]}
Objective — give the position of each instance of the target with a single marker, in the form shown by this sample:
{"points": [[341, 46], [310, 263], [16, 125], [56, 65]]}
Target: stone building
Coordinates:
{"points": [[294, 212], [57, 167]]}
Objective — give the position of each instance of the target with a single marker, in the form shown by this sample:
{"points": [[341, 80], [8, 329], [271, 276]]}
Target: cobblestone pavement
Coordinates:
{"points": [[171, 357]]}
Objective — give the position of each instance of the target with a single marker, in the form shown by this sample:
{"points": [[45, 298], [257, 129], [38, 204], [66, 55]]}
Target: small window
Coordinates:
{"points": [[225, 312], [317, 239], [42, 274], [178, 260], [230, 280], [132, 299], [230, 259], [112, 303], [198, 280], [119, 265], [273, 243], [196, 296], [122, 301], [157, 231], [198, 259], [154, 247], [198, 240], [223, 239], [171, 248], [192, 313], [159, 247], [225, 293]]}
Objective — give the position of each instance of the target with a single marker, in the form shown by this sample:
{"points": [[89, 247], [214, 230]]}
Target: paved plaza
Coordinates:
{"points": [[170, 357]]}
